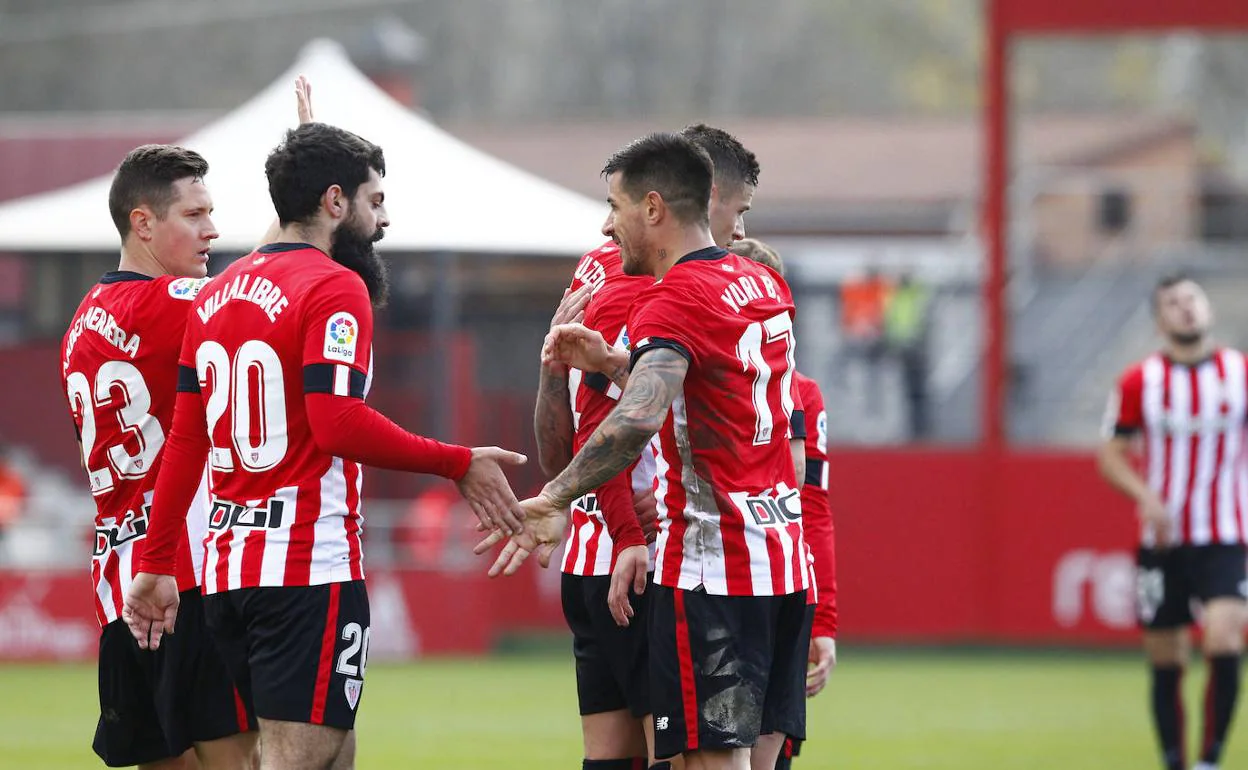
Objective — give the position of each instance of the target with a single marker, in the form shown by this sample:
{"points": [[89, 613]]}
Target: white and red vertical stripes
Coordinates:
{"points": [[1193, 419], [312, 536]]}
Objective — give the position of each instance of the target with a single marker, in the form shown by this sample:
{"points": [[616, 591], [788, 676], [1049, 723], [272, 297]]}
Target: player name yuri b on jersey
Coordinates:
{"points": [[100, 321], [262, 292], [745, 290]]}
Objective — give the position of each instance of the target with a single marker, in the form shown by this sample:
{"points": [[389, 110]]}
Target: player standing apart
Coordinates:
{"points": [[1185, 407], [275, 366], [816, 519], [119, 371], [711, 374]]}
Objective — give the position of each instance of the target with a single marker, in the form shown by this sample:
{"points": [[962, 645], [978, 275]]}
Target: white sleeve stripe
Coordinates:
{"points": [[342, 380]]}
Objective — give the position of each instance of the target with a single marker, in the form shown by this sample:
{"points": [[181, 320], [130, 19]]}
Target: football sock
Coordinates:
{"points": [[664, 765], [1168, 713], [631, 763], [1221, 693]]}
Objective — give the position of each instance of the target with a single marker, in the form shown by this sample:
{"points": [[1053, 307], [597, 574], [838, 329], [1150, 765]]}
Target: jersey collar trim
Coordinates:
{"points": [[278, 248], [709, 253], [117, 276]]}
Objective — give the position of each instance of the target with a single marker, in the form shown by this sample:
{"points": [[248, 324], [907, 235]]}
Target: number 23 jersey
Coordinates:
{"points": [[729, 503], [119, 369]]}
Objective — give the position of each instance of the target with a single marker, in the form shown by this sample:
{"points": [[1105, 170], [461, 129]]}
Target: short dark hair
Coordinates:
{"points": [[1167, 281], [671, 165], [311, 159], [146, 177], [734, 165], [754, 249]]}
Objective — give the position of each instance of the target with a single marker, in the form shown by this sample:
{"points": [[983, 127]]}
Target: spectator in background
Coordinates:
{"points": [[12, 491], [905, 333], [863, 300]]}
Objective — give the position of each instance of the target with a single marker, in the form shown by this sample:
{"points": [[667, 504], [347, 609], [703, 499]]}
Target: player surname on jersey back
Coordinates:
{"points": [[100, 321], [263, 292], [745, 290]]}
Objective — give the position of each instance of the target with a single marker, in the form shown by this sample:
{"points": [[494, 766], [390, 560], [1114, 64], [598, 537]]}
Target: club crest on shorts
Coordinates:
{"points": [[186, 288], [352, 688], [341, 333]]}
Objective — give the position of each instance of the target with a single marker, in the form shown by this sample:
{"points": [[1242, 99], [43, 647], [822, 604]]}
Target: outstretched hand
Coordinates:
{"points": [[489, 495], [542, 532], [303, 99]]}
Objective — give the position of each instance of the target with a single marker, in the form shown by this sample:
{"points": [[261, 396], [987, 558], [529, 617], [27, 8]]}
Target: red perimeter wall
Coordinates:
{"points": [[922, 557]]}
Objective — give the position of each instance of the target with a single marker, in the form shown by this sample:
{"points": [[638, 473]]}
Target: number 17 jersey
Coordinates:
{"points": [[728, 499], [281, 322]]}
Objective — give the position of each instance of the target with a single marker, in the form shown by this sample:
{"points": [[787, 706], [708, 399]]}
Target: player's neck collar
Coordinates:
{"points": [[709, 253], [117, 276], [277, 248]]}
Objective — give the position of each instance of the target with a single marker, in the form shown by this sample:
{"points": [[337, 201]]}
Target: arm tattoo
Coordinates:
{"points": [[552, 423], [653, 386]]}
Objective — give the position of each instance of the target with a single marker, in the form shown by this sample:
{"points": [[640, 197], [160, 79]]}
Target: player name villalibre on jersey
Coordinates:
{"points": [[262, 292]]}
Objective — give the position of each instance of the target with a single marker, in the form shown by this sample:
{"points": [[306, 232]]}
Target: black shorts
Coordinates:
{"points": [[298, 653], [612, 668], [1168, 581], [725, 669], [157, 704]]}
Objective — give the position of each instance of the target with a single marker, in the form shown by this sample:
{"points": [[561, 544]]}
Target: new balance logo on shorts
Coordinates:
{"points": [[660, 723]]}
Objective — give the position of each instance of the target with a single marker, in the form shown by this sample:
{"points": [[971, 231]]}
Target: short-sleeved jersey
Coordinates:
{"points": [[119, 370], [1191, 419], [281, 322], [590, 550], [819, 529], [729, 505]]}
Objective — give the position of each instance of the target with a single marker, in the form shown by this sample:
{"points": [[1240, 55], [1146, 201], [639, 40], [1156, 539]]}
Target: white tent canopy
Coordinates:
{"points": [[441, 194]]}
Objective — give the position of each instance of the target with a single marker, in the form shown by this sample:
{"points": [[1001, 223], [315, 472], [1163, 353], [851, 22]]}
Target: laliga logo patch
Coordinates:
{"points": [[352, 688], [341, 333], [186, 288]]}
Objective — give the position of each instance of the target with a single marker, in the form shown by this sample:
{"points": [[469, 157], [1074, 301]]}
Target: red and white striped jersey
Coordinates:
{"points": [[729, 505], [1191, 419], [818, 528], [590, 550], [281, 322], [119, 369]]}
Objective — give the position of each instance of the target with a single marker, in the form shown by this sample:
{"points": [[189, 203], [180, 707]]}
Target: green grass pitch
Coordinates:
{"points": [[884, 709]]}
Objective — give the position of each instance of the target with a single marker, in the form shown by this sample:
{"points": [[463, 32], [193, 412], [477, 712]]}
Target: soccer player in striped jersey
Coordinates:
{"points": [[711, 374], [609, 624], [275, 366], [119, 371], [816, 519], [1185, 408]]}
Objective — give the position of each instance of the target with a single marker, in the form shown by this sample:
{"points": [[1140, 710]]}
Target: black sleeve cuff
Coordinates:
{"points": [[188, 380], [597, 381], [654, 343], [1125, 431], [798, 423], [327, 378]]}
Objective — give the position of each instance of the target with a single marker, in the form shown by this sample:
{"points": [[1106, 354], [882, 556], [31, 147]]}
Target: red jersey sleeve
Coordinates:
{"points": [[337, 333], [1124, 415], [181, 467]]}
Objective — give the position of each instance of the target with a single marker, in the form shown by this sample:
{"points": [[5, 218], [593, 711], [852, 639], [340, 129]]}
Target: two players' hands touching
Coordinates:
{"points": [[542, 532], [489, 495]]}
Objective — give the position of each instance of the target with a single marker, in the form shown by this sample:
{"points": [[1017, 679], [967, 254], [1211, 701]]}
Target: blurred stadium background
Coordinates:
{"points": [[986, 576]]}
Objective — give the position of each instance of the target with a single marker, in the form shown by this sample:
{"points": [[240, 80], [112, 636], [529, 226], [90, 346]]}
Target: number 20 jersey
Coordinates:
{"points": [[119, 369], [283, 321], [728, 498]]}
